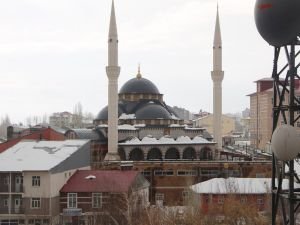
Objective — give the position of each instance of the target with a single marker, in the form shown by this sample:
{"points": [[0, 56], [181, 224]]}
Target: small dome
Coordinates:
{"points": [[103, 114], [152, 111], [139, 85]]}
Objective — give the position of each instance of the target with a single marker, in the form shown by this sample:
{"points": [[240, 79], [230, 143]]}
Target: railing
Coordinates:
{"points": [[13, 210]]}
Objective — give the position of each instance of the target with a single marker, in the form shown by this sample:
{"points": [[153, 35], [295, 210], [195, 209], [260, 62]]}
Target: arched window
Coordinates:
{"points": [[172, 153], [154, 154], [136, 154], [189, 153], [206, 154]]}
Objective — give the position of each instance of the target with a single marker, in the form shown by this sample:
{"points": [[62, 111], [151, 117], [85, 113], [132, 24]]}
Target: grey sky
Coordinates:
{"points": [[53, 53]]}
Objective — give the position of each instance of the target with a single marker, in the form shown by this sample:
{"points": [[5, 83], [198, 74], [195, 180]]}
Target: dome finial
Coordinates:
{"points": [[139, 75]]}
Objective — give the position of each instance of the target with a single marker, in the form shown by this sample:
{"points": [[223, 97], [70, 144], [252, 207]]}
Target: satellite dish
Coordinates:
{"points": [[278, 21], [285, 142]]}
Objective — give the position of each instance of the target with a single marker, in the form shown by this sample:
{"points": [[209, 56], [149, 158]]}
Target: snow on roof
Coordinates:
{"points": [[166, 139], [174, 117], [199, 139], [42, 155], [183, 139], [125, 116], [149, 140], [140, 125], [237, 185], [176, 125], [126, 127]]}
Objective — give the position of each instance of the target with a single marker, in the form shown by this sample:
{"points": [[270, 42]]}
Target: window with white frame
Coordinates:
{"points": [[36, 181], [72, 200], [35, 203], [159, 196], [163, 172], [97, 200], [186, 172]]}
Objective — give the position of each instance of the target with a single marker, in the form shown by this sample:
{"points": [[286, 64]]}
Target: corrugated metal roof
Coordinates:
{"points": [[100, 181]]}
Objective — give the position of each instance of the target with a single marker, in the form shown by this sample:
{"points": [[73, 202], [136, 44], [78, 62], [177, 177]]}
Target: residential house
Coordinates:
{"points": [[216, 195], [103, 197]]}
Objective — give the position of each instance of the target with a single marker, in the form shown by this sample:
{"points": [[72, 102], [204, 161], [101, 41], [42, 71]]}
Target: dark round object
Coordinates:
{"points": [[152, 111], [139, 86], [278, 21], [103, 114]]}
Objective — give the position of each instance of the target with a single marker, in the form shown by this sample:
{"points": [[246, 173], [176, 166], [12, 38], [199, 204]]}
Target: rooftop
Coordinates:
{"points": [[38, 155]]}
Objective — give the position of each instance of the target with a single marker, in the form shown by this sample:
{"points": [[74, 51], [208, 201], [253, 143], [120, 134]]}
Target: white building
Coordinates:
{"points": [[31, 175]]}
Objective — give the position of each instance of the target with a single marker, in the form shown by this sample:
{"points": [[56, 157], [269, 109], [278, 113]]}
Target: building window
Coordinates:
{"points": [[220, 199], [36, 203], [186, 196], [5, 202], [72, 200], [31, 221], [159, 199], [163, 173], [260, 201], [243, 199], [186, 172], [36, 181], [146, 173], [97, 200], [6, 180], [45, 221]]}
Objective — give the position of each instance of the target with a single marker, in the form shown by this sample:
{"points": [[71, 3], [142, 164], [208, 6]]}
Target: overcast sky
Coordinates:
{"points": [[53, 53]]}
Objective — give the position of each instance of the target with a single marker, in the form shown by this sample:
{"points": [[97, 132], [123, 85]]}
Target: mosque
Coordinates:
{"points": [[137, 130], [140, 126]]}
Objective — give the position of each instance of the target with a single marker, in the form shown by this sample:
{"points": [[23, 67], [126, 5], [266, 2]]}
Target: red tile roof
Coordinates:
{"points": [[100, 181]]}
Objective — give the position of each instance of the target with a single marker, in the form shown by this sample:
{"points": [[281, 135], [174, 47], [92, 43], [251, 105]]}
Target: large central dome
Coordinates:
{"points": [[139, 85]]}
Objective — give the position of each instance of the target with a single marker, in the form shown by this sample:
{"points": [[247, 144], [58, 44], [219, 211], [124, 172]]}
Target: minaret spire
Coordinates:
{"points": [[217, 76], [112, 38], [112, 71], [217, 44]]}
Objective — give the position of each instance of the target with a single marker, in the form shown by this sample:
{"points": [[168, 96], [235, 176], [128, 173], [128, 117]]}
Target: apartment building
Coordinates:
{"points": [[31, 175]]}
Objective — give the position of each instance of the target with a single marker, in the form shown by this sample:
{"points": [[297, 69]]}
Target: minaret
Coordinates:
{"points": [[217, 76], [112, 71]]}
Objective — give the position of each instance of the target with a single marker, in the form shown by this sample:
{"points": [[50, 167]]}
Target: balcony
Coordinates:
{"points": [[14, 210], [14, 189]]}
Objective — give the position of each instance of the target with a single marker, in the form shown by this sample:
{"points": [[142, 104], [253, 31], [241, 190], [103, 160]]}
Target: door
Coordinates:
{"points": [[18, 183], [17, 205]]}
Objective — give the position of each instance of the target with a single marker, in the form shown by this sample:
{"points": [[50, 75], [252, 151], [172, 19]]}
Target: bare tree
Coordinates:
{"points": [[5, 122]]}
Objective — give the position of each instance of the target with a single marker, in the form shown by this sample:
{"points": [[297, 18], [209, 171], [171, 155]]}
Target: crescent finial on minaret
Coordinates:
{"points": [[139, 75]]}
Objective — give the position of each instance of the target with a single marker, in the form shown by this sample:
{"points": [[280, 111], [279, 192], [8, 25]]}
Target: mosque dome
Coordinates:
{"points": [[152, 111], [103, 114], [139, 85]]}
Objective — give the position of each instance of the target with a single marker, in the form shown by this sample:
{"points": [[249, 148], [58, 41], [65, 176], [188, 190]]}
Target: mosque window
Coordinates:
{"points": [[163, 173]]}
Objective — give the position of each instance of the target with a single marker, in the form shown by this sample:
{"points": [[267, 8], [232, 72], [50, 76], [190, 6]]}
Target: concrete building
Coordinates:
{"points": [[31, 175], [261, 113], [207, 122], [61, 119]]}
